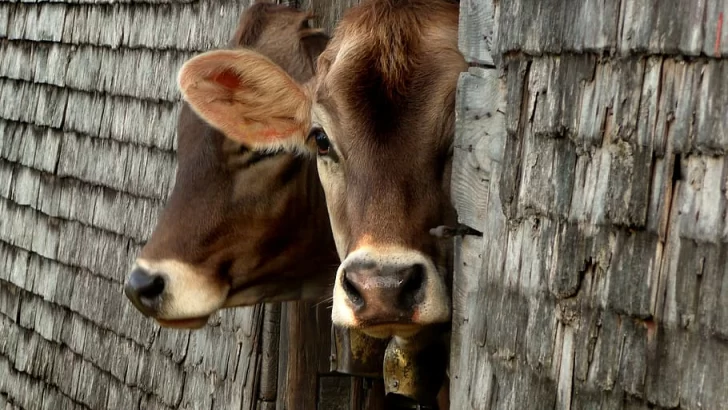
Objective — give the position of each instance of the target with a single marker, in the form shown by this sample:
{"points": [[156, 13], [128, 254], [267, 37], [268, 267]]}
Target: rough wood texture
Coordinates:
{"points": [[476, 25], [306, 340], [88, 106], [600, 280], [668, 27]]}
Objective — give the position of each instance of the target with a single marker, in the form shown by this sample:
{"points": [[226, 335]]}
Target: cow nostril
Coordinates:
{"points": [[144, 289], [413, 281], [153, 289], [351, 290]]}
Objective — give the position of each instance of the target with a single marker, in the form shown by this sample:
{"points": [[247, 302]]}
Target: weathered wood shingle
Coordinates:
{"points": [[675, 27], [599, 279]]}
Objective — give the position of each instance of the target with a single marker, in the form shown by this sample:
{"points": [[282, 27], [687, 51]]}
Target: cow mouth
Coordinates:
{"points": [[387, 330], [191, 323]]}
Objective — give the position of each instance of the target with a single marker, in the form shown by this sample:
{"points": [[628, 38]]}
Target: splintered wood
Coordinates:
{"points": [[601, 278]]}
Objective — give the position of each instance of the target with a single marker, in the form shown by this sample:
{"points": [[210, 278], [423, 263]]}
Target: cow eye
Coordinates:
{"points": [[322, 141]]}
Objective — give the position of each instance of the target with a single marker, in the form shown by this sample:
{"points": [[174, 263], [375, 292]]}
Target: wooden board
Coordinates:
{"points": [[599, 279]]}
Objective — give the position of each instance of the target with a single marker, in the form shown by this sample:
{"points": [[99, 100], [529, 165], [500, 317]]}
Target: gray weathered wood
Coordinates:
{"points": [[478, 144], [197, 25], [476, 31], [269, 360], [676, 27], [599, 279], [140, 72]]}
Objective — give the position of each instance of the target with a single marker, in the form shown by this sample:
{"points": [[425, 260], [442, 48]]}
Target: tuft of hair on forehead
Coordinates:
{"points": [[386, 35]]}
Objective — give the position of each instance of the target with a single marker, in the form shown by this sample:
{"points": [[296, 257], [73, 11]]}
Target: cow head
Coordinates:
{"points": [[242, 225], [379, 116]]}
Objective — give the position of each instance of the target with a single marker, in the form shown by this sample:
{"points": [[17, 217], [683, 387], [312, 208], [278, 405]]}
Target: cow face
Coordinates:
{"points": [[379, 116], [242, 225]]}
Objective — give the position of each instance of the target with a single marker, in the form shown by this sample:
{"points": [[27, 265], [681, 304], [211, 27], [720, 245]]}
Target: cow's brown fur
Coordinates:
{"points": [[240, 220], [392, 94], [384, 96]]}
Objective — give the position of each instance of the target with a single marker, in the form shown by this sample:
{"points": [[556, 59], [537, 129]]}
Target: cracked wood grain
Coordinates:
{"points": [[600, 277]]}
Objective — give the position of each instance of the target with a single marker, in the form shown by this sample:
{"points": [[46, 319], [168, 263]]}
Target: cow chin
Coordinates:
{"points": [[386, 331], [195, 323]]}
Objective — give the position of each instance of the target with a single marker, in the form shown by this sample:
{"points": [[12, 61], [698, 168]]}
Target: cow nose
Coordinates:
{"points": [[144, 290], [387, 293]]}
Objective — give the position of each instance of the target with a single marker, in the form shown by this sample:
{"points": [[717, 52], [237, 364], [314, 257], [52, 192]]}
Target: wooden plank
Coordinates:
{"points": [[367, 394], [476, 29], [711, 124], [675, 28], [121, 121], [4, 19], [333, 392], [716, 33], [41, 359], [82, 23], [120, 118], [138, 170], [25, 390], [308, 324], [36, 19], [702, 202], [646, 29], [58, 284], [602, 263], [271, 346], [468, 261], [142, 73], [479, 141], [113, 211], [537, 27]]}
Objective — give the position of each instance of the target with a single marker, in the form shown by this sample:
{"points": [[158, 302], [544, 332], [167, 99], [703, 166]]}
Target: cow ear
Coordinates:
{"points": [[248, 98], [314, 42]]}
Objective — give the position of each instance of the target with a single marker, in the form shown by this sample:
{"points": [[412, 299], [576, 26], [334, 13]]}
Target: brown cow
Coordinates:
{"points": [[242, 226], [380, 116]]}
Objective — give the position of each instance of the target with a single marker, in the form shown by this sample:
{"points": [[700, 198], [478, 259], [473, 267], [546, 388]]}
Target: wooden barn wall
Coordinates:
{"points": [[88, 106], [591, 152]]}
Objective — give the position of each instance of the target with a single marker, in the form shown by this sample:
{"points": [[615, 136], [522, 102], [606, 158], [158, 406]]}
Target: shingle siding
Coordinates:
{"points": [[88, 110]]}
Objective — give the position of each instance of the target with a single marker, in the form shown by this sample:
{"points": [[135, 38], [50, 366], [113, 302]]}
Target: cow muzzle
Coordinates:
{"points": [[175, 294], [388, 292], [145, 290]]}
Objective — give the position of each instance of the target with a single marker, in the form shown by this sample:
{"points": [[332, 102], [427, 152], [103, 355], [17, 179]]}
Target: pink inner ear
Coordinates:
{"points": [[227, 78], [270, 133], [259, 132]]}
